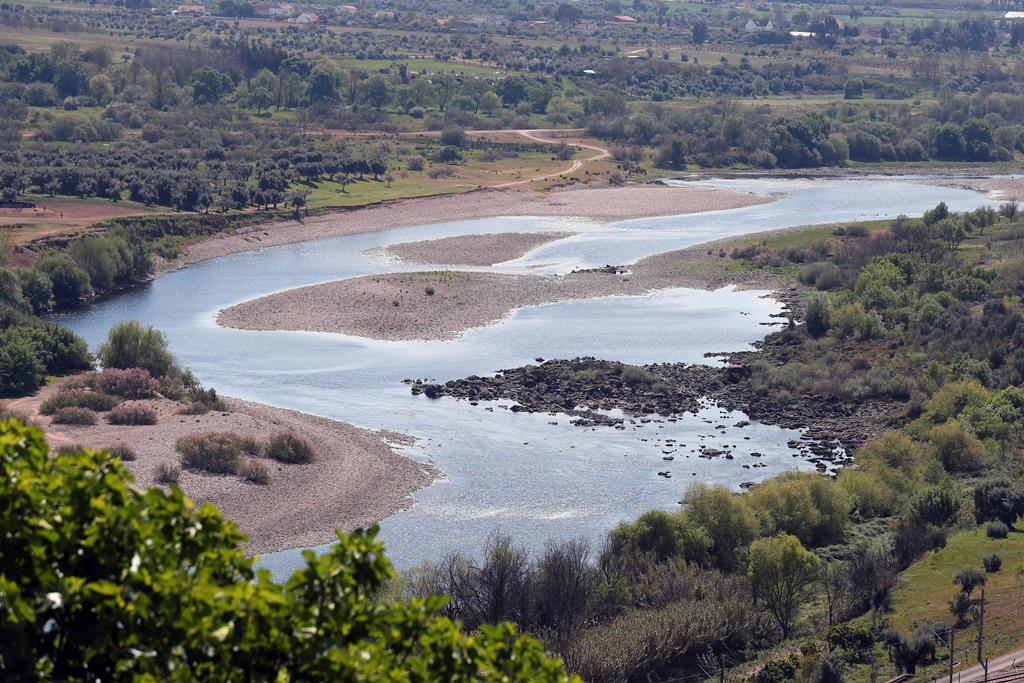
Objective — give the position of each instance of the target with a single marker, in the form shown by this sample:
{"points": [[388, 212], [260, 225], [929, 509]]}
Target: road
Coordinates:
{"points": [[997, 666]]}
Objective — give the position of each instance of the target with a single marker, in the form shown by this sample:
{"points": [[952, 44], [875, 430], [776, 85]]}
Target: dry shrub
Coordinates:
{"points": [[132, 414], [194, 408], [255, 471], [72, 415], [123, 451], [216, 452], [290, 448], [92, 400], [134, 383], [167, 473]]}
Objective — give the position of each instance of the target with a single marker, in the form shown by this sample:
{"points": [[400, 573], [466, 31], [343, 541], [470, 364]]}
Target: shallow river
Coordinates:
{"points": [[532, 475]]}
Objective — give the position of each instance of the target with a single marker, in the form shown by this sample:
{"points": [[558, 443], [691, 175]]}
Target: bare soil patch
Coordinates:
{"points": [[356, 480], [473, 250]]}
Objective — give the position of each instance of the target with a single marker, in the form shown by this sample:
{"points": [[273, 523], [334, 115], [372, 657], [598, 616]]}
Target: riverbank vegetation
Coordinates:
{"points": [[804, 576], [73, 576]]}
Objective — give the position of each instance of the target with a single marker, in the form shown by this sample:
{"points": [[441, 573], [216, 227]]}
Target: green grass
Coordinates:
{"points": [[925, 589]]}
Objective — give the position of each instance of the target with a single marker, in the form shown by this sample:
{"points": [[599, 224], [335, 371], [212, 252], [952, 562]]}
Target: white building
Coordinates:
{"points": [[754, 27]]}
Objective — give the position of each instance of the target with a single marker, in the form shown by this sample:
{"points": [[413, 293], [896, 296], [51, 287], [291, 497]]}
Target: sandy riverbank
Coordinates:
{"points": [[472, 250], [602, 203], [443, 305], [356, 480]]}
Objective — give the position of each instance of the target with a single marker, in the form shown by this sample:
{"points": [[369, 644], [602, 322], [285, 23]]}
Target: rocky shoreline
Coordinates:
{"points": [[587, 389]]}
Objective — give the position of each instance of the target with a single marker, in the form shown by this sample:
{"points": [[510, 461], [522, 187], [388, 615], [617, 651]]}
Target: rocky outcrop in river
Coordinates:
{"points": [[589, 389]]}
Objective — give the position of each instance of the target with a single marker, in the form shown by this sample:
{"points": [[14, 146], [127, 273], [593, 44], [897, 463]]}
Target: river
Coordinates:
{"points": [[531, 475]]}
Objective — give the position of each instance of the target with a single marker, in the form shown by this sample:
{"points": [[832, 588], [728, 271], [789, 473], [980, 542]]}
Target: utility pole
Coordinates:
{"points": [[951, 632], [981, 630]]}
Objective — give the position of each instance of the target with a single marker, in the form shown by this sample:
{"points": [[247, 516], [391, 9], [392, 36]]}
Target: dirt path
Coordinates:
{"points": [[532, 134]]}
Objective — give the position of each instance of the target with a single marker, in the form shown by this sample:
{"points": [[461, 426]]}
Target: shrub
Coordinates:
{"points": [[167, 473], [130, 345], [255, 471], [132, 383], [92, 400], [829, 669], [132, 414], [248, 444], [289, 447], [194, 408], [957, 449], [992, 564], [634, 374], [968, 579], [818, 315], [72, 415], [996, 530], [216, 452], [959, 606], [123, 452], [195, 581]]}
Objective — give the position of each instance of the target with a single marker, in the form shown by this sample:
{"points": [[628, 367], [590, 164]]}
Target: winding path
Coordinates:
{"points": [[532, 134]]}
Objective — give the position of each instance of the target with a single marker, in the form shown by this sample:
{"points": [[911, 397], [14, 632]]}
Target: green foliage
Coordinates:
{"points": [[960, 605], [957, 449], [727, 519], [992, 563], [805, 505], [953, 398], [997, 530], [141, 585], [935, 504], [778, 669], [968, 579], [30, 352], [818, 316], [130, 345], [781, 571], [70, 282], [662, 536]]}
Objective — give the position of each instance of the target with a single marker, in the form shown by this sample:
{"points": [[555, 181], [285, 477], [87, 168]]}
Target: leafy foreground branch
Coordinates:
{"points": [[100, 581]]}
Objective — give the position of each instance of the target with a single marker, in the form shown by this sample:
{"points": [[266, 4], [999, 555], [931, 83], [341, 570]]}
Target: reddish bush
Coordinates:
{"points": [[131, 383], [131, 414]]}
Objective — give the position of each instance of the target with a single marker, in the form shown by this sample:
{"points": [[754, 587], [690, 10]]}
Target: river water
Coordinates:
{"points": [[532, 475]]}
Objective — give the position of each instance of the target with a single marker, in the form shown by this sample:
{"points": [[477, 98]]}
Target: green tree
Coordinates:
{"points": [[781, 572], [130, 345], [101, 89], [490, 103], [376, 92], [101, 580], [209, 85], [699, 33], [854, 89], [728, 520], [261, 99]]}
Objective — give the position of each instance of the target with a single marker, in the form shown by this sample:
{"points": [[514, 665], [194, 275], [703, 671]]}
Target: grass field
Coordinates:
{"points": [[923, 593]]}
